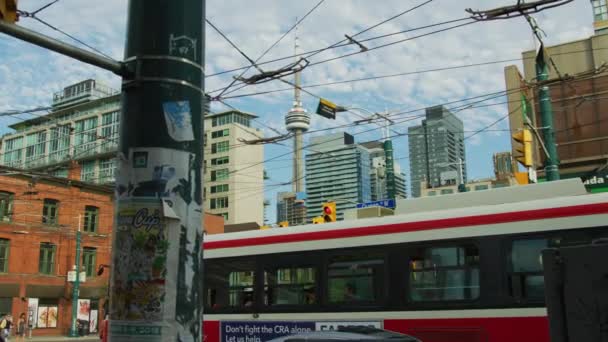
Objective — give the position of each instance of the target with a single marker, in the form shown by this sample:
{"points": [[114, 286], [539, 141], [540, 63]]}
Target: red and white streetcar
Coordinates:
{"points": [[464, 273]]}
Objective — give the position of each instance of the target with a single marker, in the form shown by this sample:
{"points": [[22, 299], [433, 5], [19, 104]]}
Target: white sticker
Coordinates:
{"points": [[178, 119]]}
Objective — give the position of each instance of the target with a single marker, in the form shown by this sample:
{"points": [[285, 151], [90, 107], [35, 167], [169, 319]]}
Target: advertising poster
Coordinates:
{"points": [[178, 120], [251, 331], [42, 316], [84, 309], [32, 312], [93, 321], [140, 262]]}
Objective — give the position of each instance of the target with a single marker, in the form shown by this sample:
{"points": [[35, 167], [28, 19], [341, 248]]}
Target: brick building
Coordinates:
{"points": [[39, 217]]}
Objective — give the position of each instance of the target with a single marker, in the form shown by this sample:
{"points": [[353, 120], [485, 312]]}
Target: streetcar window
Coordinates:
{"points": [[445, 273], [355, 278], [527, 267], [291, 286], [229, 284]]}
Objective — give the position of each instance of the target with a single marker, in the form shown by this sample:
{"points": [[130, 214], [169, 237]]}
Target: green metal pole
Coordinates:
{"points": [[546, 118], [76, 287], [156, 287]]}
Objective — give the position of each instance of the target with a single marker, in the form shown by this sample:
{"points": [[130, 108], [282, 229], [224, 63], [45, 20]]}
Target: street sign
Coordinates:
{"points": [[387, 203], [327, 109]]}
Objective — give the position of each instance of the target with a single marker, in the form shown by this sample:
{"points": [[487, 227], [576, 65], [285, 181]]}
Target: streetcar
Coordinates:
{"points": [[469, 272]]}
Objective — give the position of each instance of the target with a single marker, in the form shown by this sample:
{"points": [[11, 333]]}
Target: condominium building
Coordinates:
{"points": [[378, 170], [435, 146], [83, 126], [291, 208], [337, 170], [234, 171]]}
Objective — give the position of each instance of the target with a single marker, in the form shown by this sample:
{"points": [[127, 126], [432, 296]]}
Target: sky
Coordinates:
{"points": [[29, 75]]}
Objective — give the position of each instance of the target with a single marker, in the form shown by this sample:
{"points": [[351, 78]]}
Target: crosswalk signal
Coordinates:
{"points": [[524, 147], [329, 212], [8, 11]]}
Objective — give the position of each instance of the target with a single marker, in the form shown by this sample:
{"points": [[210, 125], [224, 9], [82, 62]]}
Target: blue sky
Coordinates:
{"points": [[29, 75]]}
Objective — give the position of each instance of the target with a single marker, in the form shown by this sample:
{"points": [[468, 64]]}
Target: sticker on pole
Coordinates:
{"points": [[178, 119]]}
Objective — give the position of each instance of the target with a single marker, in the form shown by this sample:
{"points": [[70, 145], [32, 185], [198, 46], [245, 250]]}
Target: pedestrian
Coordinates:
{"points": [[21, 324], [103, 332], [3, 323], [9, 326]]}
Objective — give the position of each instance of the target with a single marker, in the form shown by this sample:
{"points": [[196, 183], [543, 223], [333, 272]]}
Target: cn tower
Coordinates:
{"points": [[297, 121]]}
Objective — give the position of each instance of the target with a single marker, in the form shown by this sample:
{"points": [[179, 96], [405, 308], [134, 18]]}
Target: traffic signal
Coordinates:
{"points": [[329, 212], [284, 224], [318, 220], [8, 11], [524, 147]]}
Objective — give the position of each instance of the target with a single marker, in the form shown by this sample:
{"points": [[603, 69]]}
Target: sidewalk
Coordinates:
{"points": [[59, 338]]}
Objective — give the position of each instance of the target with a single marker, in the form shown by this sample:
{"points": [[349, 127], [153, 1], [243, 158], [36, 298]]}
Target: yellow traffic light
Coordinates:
{"points": [[329, 212], [8, 11], [524, 147], [284, 224], [318, 220]]}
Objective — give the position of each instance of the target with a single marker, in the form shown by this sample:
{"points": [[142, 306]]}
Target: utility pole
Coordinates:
{"points": [[546, 117], [157, 247], [76, 286]]}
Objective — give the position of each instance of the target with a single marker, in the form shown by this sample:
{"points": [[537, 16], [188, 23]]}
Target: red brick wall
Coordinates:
{"points": [[26, 232], [213, 224]]}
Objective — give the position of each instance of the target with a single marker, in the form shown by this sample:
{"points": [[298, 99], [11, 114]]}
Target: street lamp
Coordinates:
{"points": [[461, 186]]}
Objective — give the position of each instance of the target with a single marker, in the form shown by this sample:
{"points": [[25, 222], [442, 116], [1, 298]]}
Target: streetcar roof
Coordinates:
{"points": [[437, 218]]}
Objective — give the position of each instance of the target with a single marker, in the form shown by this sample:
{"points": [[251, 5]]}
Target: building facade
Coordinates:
{"points": [[39, 217], [291, 207], [82, 126], [451, 187], [378, 177], [435, 146], [234, 171], [337, 170], [580, 114]]}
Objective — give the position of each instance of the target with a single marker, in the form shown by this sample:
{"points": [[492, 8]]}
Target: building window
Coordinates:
{"points": [[219, 175], [6, 206], [219, 188], [109, 130], [4, 247], [481, 187], [13, 152], [91, 218], [89, 259], [50, 211], [35, 147], [219, 203], [220, 133], [87, 171], [600, 10], [445, 273], [59, 145], [224, 215], [107, 170], [48, 312], [46, 263], [220, 161], [85, 139], [220, 147]]}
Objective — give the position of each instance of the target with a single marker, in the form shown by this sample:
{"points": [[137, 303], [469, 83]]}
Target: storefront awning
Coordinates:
{"points": [[44, 291], [8, 290], [91, 292]]}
